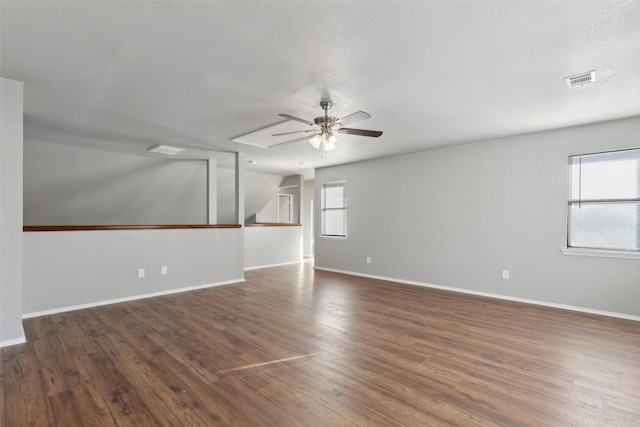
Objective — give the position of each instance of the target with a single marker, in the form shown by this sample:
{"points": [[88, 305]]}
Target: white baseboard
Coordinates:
{"points": [[125, 299], [490, 295], [273, 265], [15, 341]]}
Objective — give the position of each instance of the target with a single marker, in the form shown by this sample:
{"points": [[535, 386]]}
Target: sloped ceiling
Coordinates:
{"points": [[124, 76]]}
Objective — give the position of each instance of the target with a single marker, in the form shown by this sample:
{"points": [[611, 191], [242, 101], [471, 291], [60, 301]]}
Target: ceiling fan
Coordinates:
{"points": [[326, 125]]}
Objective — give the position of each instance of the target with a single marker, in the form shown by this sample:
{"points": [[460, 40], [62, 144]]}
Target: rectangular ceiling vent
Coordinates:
{"points": [[165, 149], [580, 79]]}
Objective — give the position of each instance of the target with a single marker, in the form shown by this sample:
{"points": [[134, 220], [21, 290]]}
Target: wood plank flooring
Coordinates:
{"points": [[292, 346]]}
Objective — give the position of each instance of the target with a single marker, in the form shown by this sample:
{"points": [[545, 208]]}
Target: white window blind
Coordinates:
{"points": [[604, 201], [334, 209]]}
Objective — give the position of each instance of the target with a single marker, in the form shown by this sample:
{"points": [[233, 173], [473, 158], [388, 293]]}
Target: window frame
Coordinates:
{"points": [[570, 200], [323, 209]]}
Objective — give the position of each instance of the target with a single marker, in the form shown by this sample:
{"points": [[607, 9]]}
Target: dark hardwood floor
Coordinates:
{"points": [[296, 347]]}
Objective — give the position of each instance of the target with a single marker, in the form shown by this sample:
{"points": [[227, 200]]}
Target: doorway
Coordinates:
{"points": [[285, 208]]}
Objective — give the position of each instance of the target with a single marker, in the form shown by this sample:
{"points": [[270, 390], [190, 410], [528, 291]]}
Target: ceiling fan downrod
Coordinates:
{"points": [[326, 106]]}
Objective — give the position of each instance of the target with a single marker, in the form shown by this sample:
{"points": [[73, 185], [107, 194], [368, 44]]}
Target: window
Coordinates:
{"points": [[604, 201], [333, 209]]}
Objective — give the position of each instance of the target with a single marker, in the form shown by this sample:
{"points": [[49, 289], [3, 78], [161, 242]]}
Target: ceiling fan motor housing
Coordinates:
{"points": [[325, 122]]}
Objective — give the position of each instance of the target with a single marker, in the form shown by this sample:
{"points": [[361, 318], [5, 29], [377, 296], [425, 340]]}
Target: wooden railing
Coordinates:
{"points": [[32, 228], [29, 228], [273, 224]]}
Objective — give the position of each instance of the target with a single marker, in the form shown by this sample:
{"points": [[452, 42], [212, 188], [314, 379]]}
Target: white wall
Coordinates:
{"points": [[269, 213], [456, 217], [66, 185], [259, 190], [269, 246], [307, 223], [294, 185], [11, 109], [70, 185], [72, 269]]}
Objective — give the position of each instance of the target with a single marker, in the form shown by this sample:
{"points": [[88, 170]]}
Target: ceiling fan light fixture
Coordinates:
{"points": [[316, 141], [329, 142], [330, 138]]}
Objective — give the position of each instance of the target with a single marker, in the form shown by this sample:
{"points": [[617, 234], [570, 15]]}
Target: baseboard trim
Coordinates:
{"points": [[14, 341], [490, 295], [125, 299], [273, 265]]}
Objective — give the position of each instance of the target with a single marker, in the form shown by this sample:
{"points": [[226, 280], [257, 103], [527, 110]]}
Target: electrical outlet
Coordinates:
{"points": [[368, 260], [140, 273], [163, 270], [505, 274]]}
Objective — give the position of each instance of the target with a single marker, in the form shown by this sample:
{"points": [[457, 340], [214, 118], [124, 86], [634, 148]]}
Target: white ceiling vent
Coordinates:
{"points": [[580, 79], [165, 149]]}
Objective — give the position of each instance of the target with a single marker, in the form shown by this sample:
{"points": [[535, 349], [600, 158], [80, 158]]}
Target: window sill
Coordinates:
{"points": [[601, 253]]}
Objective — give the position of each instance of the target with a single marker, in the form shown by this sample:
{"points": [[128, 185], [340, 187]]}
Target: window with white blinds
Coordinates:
{"points": [[604, 201], [333, 209]]}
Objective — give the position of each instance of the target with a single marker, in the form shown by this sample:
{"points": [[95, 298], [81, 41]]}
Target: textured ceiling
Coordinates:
{"points": [[125, 76]]}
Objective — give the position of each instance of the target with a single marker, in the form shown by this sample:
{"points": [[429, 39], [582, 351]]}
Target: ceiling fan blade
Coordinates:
{"points": [[297, 119], [296, 131], [352, 118], [361, 132], [292, 141]]}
